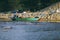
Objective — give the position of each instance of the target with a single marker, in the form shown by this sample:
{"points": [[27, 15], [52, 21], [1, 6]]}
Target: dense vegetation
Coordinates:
{"points": [[32, 5]]}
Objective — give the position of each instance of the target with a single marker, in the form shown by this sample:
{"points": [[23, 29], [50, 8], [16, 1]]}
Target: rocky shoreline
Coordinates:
{"points": [[8, 20]]}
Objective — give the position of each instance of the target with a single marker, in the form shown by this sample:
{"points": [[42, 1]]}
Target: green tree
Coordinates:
{"points": [[32, 5]]}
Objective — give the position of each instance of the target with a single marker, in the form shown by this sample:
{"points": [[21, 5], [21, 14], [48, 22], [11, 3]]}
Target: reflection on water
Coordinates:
{"points": [[29, 31]]}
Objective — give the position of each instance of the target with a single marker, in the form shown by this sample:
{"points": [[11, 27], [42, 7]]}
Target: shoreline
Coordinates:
{"points": [[9, 20]]}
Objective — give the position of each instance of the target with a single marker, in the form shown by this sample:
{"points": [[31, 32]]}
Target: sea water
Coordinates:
{"points": [[29, 31]]}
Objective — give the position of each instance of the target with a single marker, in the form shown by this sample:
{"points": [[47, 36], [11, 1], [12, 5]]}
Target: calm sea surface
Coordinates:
{"points": [[29, 31]]}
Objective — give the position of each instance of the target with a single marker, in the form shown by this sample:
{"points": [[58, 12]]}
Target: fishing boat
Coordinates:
{"points": [[16, 18]]}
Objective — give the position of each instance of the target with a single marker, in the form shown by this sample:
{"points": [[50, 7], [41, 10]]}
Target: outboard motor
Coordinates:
{"points": [[14, 17]]}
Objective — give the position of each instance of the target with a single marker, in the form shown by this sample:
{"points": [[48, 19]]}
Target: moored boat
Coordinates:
{"points": [[16, 18]]}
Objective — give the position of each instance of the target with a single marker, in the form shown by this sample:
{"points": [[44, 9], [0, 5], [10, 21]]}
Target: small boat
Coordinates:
{"points": [[16, 18]]}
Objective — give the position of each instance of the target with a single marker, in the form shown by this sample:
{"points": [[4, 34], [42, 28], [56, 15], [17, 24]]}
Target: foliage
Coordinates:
{"points": [[32, 5]]}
